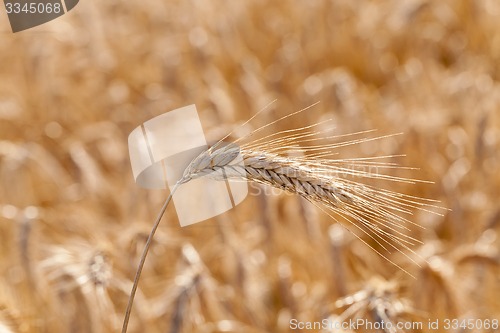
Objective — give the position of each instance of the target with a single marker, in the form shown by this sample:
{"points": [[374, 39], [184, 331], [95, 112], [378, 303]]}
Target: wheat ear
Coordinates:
{"points": [[319, 180], [374, 211]]}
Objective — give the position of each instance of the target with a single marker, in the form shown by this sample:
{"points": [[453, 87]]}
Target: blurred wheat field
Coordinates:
{"points": [[73, 222]]}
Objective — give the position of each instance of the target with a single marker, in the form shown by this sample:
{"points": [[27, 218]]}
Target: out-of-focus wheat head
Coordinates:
{"points": [[380, 302]]}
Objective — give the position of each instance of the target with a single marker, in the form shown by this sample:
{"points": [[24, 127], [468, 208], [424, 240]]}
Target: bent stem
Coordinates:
{"points": [[143, 259]]}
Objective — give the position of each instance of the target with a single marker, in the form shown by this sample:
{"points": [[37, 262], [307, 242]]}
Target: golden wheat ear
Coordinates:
{"points": [[286, 160], [328, 184]]}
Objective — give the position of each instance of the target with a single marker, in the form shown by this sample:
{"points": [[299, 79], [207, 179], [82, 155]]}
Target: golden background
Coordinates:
{"points": [[73, 222]]}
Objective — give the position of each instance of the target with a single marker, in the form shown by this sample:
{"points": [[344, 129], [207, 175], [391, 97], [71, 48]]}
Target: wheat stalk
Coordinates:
{"points": [[273, 160]]}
